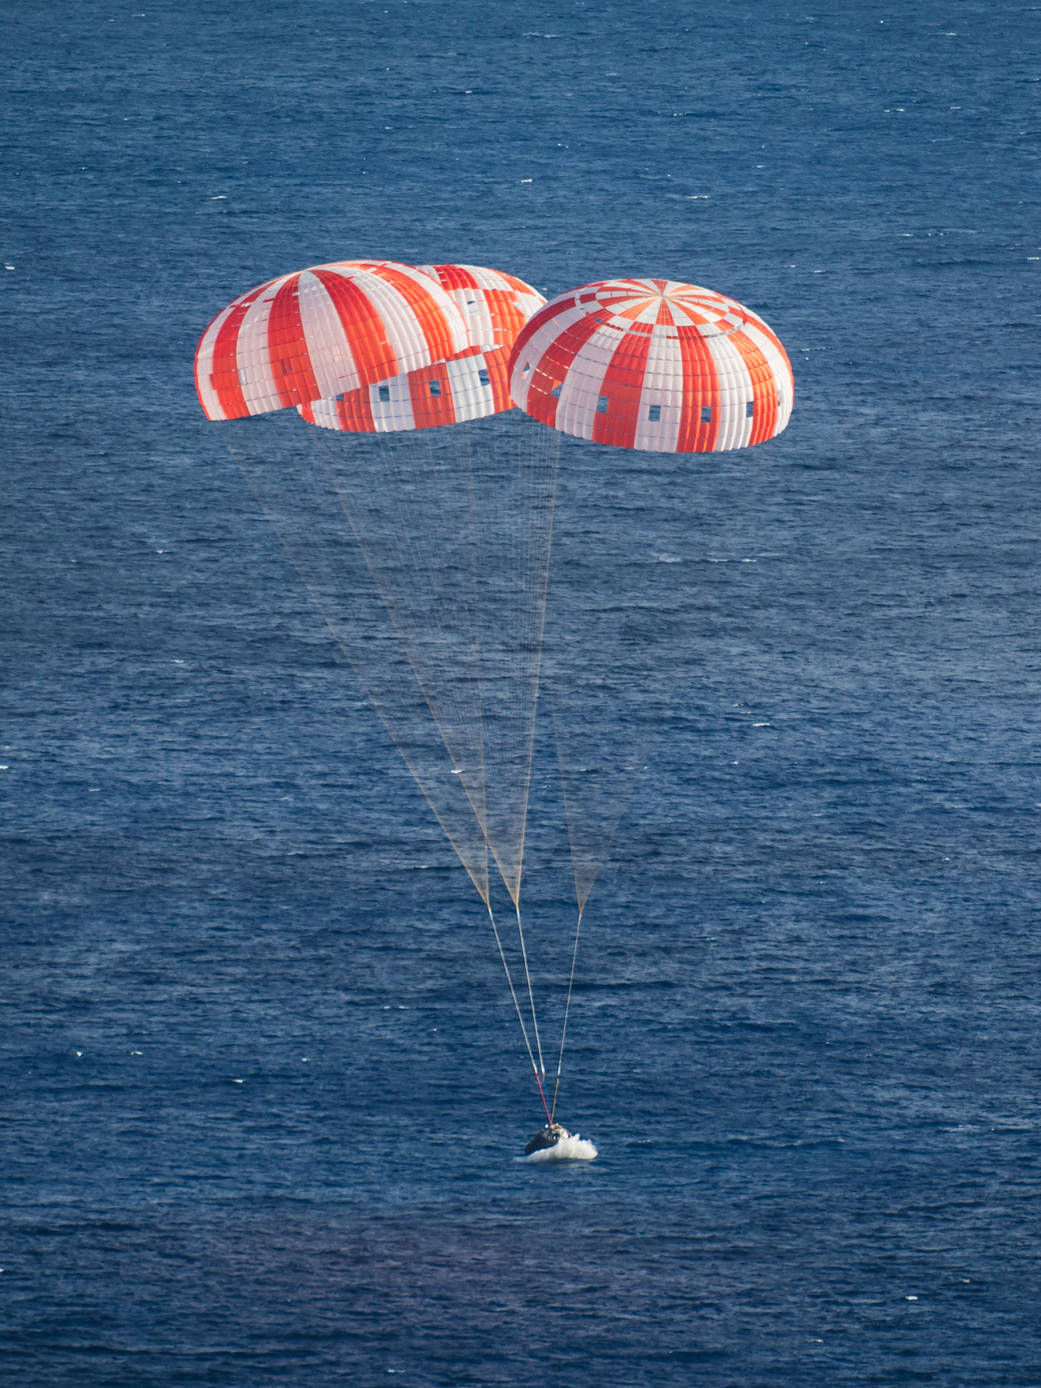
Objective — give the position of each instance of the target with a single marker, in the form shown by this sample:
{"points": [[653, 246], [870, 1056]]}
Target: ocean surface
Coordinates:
{"points": [[263, 1088]]}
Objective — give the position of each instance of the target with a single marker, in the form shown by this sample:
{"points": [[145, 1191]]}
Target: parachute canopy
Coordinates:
{"points": [[469, 385], [322, 331], [652, 364]]}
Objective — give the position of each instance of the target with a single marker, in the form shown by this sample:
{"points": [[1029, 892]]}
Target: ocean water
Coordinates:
{"points": [[263, 1088]]}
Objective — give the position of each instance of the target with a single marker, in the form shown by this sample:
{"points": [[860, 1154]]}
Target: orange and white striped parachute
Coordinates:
{"points": [[322, 331], [467, 385], [652, 364]]}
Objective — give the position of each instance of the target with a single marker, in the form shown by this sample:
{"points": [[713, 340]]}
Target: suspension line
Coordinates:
{"points": [[567, 1009], [531, 995], [513, 995]]}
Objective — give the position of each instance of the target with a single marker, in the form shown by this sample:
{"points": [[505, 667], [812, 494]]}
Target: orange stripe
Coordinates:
{"points": [[455, 277], [224, 373], [764, 388], [498, 366], [700, 390], [354, 411], [506, 318], [430, 411], [632, 312], [622, 385], [287, 348]]}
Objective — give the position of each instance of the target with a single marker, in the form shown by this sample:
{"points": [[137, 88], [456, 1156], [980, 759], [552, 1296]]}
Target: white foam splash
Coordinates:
{"points": [[571, 1148]]}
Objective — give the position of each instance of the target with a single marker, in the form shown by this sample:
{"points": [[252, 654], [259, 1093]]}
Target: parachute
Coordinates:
{"points": [[429, 570], [318, 332], [423, 513], [633, 371], [655, 365]]}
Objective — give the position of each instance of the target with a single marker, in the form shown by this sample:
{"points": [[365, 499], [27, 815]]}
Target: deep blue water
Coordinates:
{"points": [[262, 1089]]}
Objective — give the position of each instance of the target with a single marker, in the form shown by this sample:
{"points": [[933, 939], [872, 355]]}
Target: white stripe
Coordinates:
{"points": [[735, 390], [252, 357], [395, 413], [622, 313], [662, 386], [470, 399], [529, 304], [485, 278], [474, 307], [584, 383], [324, 413], [400, 327]]}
